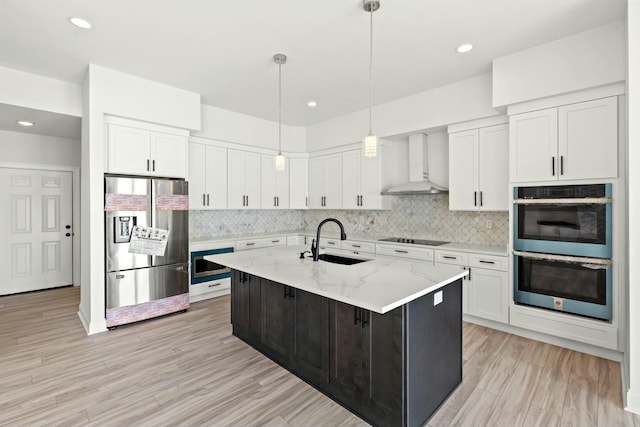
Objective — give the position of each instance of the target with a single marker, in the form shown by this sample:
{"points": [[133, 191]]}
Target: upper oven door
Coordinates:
{"points": [[571, 220]]}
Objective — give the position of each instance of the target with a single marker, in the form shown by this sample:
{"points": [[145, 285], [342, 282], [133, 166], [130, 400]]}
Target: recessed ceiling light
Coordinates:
{"points": [[80, 23], [464, 48], [25, 123], [312, 104]]}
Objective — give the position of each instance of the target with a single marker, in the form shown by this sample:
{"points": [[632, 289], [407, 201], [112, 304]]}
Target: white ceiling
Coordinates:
{"points": [[223, 49]]}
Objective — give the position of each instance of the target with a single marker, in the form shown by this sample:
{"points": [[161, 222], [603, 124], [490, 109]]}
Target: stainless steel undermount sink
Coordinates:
{"points": [[337, 259]]}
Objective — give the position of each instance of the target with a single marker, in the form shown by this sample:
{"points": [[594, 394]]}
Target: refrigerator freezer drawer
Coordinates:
{"points": [[131, 287]]}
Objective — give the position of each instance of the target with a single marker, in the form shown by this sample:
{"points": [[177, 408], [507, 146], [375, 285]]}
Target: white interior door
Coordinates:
{"points": [[36, 231]]}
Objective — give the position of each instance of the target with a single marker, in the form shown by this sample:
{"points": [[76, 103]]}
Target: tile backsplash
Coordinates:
{"points": [[426, 217]]}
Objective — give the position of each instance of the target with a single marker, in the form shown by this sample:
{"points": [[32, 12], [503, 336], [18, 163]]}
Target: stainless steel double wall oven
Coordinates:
{"points": [[562, 248]]}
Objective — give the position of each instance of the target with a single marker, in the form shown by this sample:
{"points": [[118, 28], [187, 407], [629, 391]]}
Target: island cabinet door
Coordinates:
{"points": [[383, 367], [277, 320], [245, 306], [347, 349], [311, 338]]}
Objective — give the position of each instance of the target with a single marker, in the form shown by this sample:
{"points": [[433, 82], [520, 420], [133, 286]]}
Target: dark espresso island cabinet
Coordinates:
{"points": [[392, 369]]}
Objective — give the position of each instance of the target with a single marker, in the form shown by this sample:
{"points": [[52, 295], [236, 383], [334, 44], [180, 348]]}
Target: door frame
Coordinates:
{"points": [[75, 206]]}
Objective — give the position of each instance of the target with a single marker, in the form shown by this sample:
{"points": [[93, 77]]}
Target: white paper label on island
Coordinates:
{"points": [[437, 298], [148, 241]]}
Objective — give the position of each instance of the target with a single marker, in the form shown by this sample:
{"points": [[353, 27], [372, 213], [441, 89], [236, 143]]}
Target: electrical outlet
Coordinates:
{"points": [[488, 223]]}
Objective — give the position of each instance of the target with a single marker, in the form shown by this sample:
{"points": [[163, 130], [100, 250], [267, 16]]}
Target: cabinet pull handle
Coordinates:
{"points": [[487, 262], [285, 292], [203, 199], [207, 199], [292, 293], [274, 201], [561, 165], [214, 284], [553, 166], [356, 317], [331, 243], [481, 198], [469, 276], [147, 165], [278, 200], [251, 244], [401, 252], [365, 317], [475, 198], [355, 246], [449, 257], [247, 200], [275, 241], [306, 201], [153, 164]]}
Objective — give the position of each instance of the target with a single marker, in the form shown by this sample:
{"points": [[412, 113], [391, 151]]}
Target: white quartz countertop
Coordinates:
{"points": [[380, 285]]}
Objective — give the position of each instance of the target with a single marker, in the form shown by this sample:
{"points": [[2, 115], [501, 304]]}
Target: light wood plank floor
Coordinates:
{"points": [[187, 369]]}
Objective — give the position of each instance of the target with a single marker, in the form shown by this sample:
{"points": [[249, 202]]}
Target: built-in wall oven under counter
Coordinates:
{"points": [[562, 241], [208, 279]]}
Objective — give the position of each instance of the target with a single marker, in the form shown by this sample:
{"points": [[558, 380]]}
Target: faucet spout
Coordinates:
{"points": [[343, 235]]}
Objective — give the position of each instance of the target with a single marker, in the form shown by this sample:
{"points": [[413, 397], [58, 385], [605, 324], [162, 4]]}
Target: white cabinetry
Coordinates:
{"points": [[141, 151], [576, 141], [325, 181], [207, 177], [275, 184], [357, 247], [404, 251], [264, 242], [298, 183], [243, 180], [364, 178], [485, 291], [478, 169]]}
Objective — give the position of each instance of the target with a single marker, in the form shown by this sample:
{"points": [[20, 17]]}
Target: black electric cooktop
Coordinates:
{"points": [[414, 241]]}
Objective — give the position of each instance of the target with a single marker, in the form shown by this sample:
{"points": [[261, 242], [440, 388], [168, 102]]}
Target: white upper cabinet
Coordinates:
{"points": [[325, 181], [140, 151], [577, 141], [478, 169], [207, 177], [298, 183], [275, 184], [243, 179], [364, 178], [588, 139]]}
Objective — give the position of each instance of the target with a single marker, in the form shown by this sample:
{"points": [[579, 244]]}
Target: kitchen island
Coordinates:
{"points": [[381, 337]]}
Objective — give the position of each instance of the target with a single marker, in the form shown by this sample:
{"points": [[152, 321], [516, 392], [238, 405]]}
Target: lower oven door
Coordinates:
{"points": [[570, 284]]}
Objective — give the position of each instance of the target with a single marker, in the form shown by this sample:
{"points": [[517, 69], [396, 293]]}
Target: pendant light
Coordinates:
{"points": [[280, 59], [370, 142]]}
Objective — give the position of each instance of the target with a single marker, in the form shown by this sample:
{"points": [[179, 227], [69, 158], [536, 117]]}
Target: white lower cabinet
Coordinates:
{"points": [[404, 251], [263, 242], [485, 291]]}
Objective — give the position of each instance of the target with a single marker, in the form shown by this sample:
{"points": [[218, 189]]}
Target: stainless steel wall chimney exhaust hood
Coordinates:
{"points": [[418, 183]]}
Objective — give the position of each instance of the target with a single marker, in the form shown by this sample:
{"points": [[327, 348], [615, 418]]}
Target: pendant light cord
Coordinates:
{"points": [[279, 108], [370, 68]]}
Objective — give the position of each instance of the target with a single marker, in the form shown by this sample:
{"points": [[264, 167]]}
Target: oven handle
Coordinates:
{"points": [[567, 201], [564, 258]]}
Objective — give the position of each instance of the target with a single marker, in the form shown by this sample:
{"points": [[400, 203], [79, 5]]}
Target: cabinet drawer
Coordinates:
{"points": [[242, 245], [450, 257], [328, 243], [353, 246], [490, 262], [210, 286], [401, 251], [260, 243]]}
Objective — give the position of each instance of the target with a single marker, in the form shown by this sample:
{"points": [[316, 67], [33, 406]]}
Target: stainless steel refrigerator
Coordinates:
{"points": [[145, 283]]}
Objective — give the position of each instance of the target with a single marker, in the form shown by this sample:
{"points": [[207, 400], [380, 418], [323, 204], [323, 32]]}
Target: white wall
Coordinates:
{"points": [[110, 92], [592, 58], [632, 356], [458, 102], [40, 93], [229, 126], [17, 147]]}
